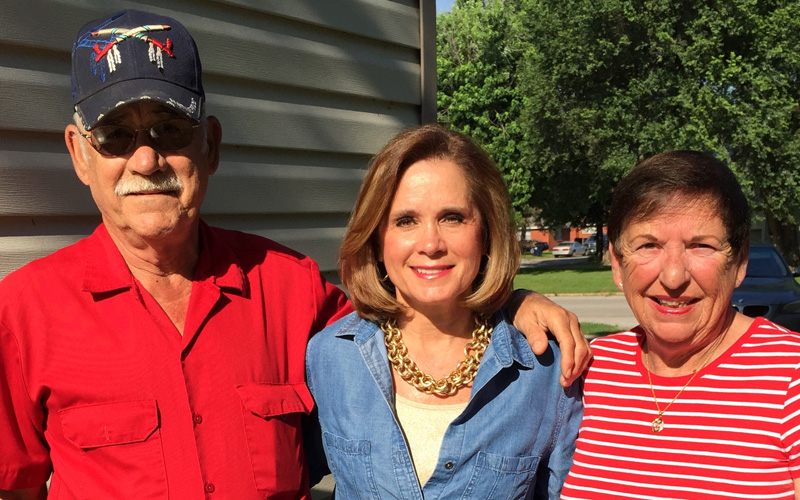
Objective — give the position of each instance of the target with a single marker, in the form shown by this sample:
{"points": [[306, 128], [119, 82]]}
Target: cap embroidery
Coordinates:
{"points": [[112, 54], [189, 110]]}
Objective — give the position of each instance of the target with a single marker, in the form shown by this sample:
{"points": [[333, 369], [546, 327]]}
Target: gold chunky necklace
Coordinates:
{"points": [[658, 423], [461, 376]]}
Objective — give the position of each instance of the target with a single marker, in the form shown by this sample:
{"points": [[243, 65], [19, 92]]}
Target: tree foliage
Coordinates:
{"points": [[595, 86], [479, 93]]}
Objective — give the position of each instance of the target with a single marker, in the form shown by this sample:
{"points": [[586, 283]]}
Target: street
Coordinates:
{"points": [[554, 262], [611, 309]]}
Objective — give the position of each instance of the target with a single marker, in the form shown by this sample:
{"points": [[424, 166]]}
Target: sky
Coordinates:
{"points": [[443, 5]]}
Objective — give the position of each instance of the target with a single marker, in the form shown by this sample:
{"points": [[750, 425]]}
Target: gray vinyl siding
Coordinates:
{"points": [[306, 90]]}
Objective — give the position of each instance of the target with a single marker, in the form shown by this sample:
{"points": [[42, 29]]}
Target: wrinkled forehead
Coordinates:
{"points": [[673, 205], [678, 219]]}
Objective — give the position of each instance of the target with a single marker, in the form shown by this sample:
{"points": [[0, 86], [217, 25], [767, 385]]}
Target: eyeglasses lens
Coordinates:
{"points": [[118, 140]]}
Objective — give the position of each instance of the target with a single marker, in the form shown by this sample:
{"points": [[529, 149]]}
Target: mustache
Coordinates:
{"points": [[158, 181]]}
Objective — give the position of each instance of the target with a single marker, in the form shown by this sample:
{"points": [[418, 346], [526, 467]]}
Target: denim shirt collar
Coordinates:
{"points": [[507, 347]]}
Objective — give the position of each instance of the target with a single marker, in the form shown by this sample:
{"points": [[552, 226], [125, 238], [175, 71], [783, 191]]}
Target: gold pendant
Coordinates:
{"points": [[657, 425]]}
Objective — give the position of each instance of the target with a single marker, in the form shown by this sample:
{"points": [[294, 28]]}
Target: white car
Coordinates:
{"points": [[568, 249]]}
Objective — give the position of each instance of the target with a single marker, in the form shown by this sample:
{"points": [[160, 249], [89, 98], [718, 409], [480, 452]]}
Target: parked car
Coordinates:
{"points": [[568, 249], [534, 247], [591, 243], [769, 288]]}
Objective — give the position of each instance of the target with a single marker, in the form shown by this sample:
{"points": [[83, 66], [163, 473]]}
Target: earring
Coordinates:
{"points": [[380, 269], [484, 264]]}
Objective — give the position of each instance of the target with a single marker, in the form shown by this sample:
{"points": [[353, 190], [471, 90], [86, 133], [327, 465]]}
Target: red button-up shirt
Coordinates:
{"points": [[98, 386]]}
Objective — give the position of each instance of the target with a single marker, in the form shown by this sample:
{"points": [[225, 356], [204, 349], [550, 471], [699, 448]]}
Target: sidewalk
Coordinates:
{"points": [[606, 309]]}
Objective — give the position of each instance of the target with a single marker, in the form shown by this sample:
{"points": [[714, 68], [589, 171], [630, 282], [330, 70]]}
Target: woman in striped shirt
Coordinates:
{"points": [[698, 401]]}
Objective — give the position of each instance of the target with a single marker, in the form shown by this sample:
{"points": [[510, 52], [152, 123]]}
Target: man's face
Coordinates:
{"points": [[147, 194]]}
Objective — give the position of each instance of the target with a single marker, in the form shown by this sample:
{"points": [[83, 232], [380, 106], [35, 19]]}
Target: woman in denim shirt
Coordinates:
{"points": [[406, 410]]}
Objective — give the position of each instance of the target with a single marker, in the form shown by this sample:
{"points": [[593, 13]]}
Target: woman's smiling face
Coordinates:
{"points": [[677, 272], [431, 240]]}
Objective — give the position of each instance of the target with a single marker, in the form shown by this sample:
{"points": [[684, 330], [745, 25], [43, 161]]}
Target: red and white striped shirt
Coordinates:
{"points": [[733, 433]]}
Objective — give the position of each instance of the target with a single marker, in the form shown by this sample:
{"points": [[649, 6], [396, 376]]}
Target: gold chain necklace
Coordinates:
{"points": [[658, 422], [463, 374]]}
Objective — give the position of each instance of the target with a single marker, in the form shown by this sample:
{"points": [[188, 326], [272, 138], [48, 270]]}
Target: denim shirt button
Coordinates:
{"points": [[449, 465]]}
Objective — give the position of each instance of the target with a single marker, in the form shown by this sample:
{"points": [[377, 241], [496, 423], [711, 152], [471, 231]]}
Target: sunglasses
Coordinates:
{"points": [[119, 140]]}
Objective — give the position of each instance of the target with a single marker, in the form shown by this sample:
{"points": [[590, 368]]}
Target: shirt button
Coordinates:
{"points": [[449, 465], [210, 488], [198, 419]]}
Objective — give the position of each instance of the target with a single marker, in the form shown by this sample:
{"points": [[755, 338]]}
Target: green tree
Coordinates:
{"points": [[752, 60], [610, 82], [477, 58], [583, 75]]}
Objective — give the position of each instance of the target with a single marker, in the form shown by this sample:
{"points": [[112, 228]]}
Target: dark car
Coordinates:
{"points": [[591, 243], [769, 289], [538, 247], [533, 247]]}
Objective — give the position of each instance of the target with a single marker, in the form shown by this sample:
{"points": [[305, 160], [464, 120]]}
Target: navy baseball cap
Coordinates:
{"points": [[133, 56]]}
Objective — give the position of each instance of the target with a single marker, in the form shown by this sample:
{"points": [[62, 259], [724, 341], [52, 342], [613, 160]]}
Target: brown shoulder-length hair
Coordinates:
{"points": [[373, 298], [656, 181]]}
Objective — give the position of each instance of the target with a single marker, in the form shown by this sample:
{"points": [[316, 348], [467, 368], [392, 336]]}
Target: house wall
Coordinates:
{"points": [[306, 90]]}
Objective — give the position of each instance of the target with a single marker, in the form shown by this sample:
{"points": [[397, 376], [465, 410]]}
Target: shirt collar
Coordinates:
{"points": [[218, 263], [364, 330], [508, 345], [106, 270]]}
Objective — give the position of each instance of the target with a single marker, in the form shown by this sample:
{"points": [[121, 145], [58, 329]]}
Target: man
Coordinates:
{"points": [[159, 357]]}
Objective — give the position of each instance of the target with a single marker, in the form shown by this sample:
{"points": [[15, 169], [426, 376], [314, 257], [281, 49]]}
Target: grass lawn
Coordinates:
{"points": [[598, 329], [588, 277]]}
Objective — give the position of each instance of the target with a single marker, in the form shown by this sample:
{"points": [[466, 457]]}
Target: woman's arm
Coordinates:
{"points": [[535, 315]]}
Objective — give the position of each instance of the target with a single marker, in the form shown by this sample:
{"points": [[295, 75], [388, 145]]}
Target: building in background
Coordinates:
{"points": [[306, 90]]}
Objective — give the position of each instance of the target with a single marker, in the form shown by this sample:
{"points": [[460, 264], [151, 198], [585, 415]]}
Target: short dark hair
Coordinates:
{"points": [[657, 180], [358, 260]]}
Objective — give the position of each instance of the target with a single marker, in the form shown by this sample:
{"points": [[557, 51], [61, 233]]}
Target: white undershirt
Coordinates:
{"points": [[424, 427]]}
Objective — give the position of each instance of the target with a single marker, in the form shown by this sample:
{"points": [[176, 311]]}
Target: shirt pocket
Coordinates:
{"points": [[501, 478], [272, 422], [120, 447], [350, 461]]}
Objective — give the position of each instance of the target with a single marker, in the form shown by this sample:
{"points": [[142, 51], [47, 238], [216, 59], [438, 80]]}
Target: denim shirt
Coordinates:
{"points": [[514, 439]]}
